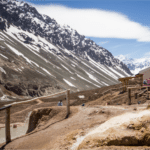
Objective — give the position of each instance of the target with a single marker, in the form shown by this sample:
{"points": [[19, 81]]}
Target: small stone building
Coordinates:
{"points": [[146, 74]]}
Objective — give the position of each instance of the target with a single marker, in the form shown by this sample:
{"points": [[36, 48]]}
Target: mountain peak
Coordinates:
{"points": [[53, 51], [135, 65]]}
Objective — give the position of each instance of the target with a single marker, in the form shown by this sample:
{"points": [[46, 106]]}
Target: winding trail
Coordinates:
{"points": [[52, 134]]}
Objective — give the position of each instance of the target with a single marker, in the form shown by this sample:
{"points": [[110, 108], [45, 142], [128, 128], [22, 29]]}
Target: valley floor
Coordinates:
{"points": [[51, 130]]}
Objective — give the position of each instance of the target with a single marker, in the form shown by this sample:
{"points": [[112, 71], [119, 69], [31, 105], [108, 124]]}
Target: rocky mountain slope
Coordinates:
{"points": [[38, 56], [135, 65]]}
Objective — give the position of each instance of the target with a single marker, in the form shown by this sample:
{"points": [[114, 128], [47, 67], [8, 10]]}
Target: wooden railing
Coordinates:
{"points": [[136, 94], [7, 107], [122, 87], [129, 92]]}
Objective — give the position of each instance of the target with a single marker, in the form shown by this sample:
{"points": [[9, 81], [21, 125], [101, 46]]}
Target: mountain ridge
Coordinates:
{"points": [[57, 52], [135, 65]]}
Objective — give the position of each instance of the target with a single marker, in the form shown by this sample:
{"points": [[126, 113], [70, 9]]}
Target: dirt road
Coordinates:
{"points": [[61, 133], [53, 131]]}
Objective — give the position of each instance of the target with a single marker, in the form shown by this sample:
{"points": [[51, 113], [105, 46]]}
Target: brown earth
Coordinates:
{"points": [[134, 133], [49, 128], [53, 130]]}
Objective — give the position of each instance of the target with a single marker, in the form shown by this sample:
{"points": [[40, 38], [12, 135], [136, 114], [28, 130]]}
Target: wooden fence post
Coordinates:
{"points": [[123, 86], [142, 81], [129, 96], [148, 95], [148, 91], [7, 125], [68, 102], [135, 95]]}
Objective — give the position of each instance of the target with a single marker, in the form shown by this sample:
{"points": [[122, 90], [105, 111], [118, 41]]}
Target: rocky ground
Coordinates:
{"points": [[49, 128]]}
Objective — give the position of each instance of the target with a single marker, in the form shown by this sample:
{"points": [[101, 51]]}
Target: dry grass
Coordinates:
{"points": [[148, 107]]}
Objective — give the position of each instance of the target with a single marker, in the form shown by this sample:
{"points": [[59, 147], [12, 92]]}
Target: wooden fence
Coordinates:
{"points": [[137, 94], [129, 87], [110, 90], [7, 108]]}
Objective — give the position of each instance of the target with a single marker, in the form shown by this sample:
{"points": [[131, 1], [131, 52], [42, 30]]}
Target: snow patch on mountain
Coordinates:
{"points": [[105, 83], [3, 56], [69, 83], [67, 69], [47, 72], [18, 53], [2, 70], [72, 78], [92, 77], [87, 80], [135, 65], [51, 52], [119, 74]]}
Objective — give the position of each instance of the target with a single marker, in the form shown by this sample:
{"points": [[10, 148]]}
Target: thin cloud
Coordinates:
{"points": [[97, 23], [104, 42], [137, 45], [116, 46], [147, 54], [134, 54]]}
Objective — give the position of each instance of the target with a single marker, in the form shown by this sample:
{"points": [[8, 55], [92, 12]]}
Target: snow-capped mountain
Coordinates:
{"points": [[135, 65], [36, 52]]}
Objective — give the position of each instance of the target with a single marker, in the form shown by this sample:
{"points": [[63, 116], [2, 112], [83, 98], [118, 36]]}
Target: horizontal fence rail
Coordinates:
{"points": [[16, 103], [7, 108], [129, 94], [117, 98], [122, 97], [111, 90]]}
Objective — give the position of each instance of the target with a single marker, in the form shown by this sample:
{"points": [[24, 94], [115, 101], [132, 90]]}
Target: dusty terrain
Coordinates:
{"points": [[50, 129]]}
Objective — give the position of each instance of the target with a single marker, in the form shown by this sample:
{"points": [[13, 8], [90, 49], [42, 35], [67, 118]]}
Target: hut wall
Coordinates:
{"points": [[139, 80], [146, 76]]}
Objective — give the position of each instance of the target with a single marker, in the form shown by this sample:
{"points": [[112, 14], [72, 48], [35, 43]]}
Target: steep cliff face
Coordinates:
{"points": [[36, 43]]}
